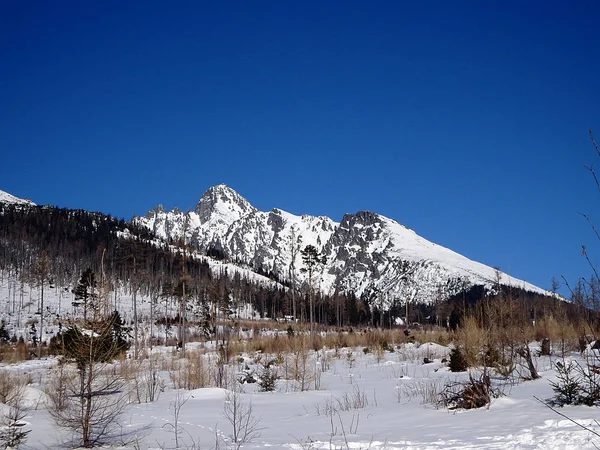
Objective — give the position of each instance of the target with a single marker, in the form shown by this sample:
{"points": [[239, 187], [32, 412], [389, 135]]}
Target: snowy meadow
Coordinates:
{"points": [[263, 384]]}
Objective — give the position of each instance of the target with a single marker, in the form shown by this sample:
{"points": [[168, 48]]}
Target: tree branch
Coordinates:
{"points": [[594, 142], [593, 172]]}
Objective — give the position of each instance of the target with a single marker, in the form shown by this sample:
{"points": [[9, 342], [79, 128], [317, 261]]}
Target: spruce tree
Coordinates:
{"points": [[85, 291]]}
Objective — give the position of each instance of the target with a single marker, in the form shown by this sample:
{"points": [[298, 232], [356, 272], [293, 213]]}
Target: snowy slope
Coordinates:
{"points": [[366, 253], [5, 197]]}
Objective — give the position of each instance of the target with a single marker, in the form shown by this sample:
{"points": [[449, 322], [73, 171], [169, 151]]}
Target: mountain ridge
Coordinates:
{"points": [[367, 253], [5, 197]]}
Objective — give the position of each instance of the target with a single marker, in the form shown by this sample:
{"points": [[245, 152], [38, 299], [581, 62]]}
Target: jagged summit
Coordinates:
{"points": [[5, 197], [366, 253], [223, 202]]}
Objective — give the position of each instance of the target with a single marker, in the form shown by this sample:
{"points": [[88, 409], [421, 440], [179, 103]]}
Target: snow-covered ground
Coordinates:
{"points": [[379, 401], [387, 402]]}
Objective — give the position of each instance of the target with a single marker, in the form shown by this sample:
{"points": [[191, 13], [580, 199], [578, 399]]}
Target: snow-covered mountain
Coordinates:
{"points": [[365, 253], [5, 197]]}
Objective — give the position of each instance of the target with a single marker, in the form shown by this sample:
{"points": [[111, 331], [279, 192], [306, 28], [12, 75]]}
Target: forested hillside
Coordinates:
{"points": [[122, 255]]}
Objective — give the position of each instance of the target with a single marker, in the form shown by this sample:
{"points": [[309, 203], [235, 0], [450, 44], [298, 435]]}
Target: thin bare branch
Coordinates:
{"points": [[593, 172], [567, 284], [586, 217], [594, 142], [585, 254]]}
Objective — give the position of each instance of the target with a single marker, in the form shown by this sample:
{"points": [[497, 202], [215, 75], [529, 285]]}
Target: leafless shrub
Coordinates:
{"points": [[191, 372], [175, 426], [350, 360], [353, 429], [428, 390], [347, 401], [148, 384], [505, 366], [302, 367], [221, 374], [324, 360], [128, 369], [379, 354], [11, 387], [245, 426], [318, 376], [56, 386], [356, 399], [397, 371]]}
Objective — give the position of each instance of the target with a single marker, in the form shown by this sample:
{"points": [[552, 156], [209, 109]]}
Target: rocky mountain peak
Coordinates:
{"points": [[224, 203], [160, 209], [365, 218]]}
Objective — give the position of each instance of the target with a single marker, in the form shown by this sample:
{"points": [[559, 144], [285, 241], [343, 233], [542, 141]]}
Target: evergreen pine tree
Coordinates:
{"points": [[4, 336], [567, 388], [85, 291], [312, 261], [268, 378], [13, 434], [458, 362]]}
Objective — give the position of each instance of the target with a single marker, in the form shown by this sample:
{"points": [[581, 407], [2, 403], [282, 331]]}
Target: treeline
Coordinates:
{"points": [[514, 306]]}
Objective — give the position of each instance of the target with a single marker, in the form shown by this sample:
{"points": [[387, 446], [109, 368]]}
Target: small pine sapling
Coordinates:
{"points": [[268, 378], [458, 362], [567, 387]]}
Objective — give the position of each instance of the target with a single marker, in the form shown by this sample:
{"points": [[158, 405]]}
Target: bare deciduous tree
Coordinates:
{"points": [[41, 273], [175, 407]]}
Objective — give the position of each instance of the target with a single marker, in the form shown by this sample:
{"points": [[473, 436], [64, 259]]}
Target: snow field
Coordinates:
{"points": [[363, 402]]}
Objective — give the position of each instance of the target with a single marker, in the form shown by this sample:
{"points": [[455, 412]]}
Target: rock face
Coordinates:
{"points": [[366, 253]]}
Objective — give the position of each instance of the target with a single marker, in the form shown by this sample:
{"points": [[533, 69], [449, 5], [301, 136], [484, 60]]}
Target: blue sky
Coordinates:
{"points": [[465, 121]]}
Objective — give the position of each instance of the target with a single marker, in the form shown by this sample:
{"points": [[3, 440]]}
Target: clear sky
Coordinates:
{"points": [[466, 121]]}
